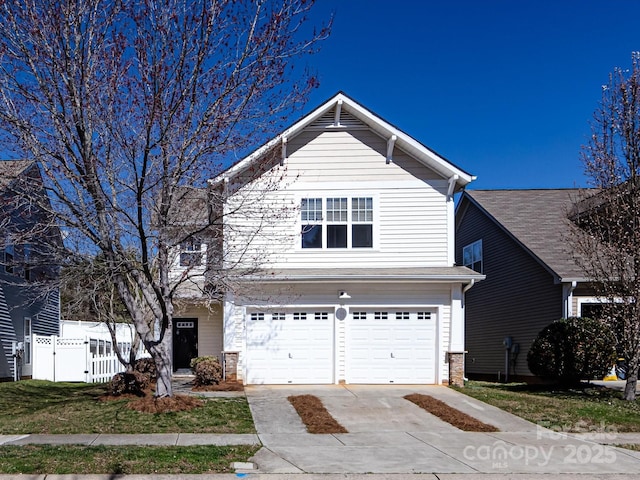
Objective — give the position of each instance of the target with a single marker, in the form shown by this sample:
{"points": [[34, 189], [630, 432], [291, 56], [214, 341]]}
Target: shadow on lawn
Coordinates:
{"points": [[34, 395], [582, 390]]}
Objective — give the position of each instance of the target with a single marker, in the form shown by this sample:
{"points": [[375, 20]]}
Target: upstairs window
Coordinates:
{"points": [[337, 222], [191, 253], [9, 254], [362, 222], [311, 211], [472, 256]]}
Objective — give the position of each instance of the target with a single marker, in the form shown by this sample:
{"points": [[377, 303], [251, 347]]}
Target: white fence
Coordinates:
{"points": [[71, 360]]}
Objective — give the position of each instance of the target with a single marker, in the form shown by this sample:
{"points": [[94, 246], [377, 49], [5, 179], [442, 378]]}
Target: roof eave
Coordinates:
{"points": [[327, 278], [422, 153]]}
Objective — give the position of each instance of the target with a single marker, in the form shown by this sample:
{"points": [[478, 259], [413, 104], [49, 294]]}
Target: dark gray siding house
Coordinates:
{"points": [[27, 306], [517, 239]]}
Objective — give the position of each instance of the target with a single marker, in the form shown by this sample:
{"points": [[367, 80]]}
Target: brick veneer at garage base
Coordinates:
{"points": [[456, 369]]}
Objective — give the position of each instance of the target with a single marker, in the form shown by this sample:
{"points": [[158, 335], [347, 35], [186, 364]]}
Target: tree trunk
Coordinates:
{"points": [[162, 353], [630, 387]]}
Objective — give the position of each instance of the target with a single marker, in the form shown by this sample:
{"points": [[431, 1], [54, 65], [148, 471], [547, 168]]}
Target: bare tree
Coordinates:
{"points": [[606, 221], [128, 106]]}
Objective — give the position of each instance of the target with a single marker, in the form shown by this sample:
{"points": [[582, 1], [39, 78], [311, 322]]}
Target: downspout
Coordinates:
{"points": [[466, 288], [568, 301]]}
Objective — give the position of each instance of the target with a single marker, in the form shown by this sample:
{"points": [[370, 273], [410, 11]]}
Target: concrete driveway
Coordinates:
{"points": [[388, 434]]}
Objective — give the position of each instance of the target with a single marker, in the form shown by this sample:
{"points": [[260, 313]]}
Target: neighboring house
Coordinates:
{"points": [[517, 238], [25, 308], [346, 241]]}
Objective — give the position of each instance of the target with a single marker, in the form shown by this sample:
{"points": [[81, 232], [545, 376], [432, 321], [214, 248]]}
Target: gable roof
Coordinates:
{"points": [[537, 220], [12, 169], [342, 112]]}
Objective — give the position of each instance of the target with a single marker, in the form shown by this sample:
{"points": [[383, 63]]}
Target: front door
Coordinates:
{"points": [[185, 342]]}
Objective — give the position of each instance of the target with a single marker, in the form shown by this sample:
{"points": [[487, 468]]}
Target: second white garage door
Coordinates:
{"points": [[391, 346], [290, 347]]}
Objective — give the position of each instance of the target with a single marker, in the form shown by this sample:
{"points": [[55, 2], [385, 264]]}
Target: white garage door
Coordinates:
{"points": [[391, 346], [289, 347]]}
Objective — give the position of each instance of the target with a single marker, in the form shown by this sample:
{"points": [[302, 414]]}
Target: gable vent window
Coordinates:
{"points": [[337, 222], [472, 256]]}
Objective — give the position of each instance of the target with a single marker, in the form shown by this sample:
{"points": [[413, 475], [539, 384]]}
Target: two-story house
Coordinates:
{"points": [[28, 305], [518, 239], [346, 226]]}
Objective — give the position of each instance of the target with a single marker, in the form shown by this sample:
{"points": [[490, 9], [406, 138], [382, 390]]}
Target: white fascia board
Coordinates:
{"points": [[289, 133], [414, 148], [408, 144]]}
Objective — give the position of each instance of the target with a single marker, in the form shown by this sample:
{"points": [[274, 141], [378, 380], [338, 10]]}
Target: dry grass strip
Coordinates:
{"points": [[449, 414], [314, 415]]}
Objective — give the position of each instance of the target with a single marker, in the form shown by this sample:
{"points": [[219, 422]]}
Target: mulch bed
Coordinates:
{"points": [[220, 387], [177, 403], [449, 414], [314, 415]]}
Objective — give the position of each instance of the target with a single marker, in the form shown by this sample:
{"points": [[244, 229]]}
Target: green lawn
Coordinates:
{"points": [[590, 409], [75, 459], [35, 406]]}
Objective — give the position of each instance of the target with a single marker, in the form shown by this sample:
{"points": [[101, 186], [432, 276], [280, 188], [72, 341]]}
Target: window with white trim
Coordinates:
{"points": [[472, 256], [311, 213], [337, 222], [27, 340], [191, 252], [362, 222]]}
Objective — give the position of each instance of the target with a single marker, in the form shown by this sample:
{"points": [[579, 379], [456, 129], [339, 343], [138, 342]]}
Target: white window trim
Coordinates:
{"points": [[592, 300], [324, 195], [471, 245], [27, 339]]}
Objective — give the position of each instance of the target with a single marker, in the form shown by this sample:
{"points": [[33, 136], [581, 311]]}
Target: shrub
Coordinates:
{"points": [[573, 349], [128, 382], [207, 370], [147, 367]]}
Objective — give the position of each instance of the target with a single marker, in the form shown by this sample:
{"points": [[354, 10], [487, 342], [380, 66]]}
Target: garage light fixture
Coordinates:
{"points": [[342, 295]]}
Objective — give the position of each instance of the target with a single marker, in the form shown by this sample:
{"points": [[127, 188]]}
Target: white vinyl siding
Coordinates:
{"points": [[410, 211]]}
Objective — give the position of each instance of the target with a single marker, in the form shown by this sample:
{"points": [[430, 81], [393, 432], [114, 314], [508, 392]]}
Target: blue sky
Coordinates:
{"points": [[505, 89]]}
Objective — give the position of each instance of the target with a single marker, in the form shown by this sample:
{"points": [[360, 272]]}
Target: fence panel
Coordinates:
{"points": [[104, 367], [70, 359], [43, 361]]}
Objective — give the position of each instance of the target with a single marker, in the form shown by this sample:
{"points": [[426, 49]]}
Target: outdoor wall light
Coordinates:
{"points": [[342, 295]]}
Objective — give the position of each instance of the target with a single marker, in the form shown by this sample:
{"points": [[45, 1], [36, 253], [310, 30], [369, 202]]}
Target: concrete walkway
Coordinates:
{"points": [[390, 435], [389, 438]]}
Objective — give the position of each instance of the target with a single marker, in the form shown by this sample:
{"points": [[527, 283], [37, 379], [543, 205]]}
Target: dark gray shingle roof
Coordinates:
{"points": [[538, 220], [10, 170]]}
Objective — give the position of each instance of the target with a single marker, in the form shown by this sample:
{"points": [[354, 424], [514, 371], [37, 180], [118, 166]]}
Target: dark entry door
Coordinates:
{"points": [[185, 342]]}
